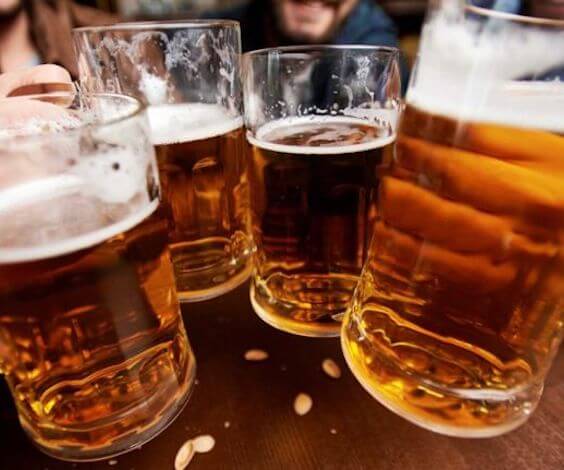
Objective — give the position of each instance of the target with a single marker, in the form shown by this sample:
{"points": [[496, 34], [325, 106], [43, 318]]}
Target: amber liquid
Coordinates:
{"points": [[312, 215], [205, 191], [459, 309], [93, 346]]}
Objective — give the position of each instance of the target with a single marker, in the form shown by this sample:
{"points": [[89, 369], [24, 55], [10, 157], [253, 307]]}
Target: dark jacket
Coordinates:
{"points": [[508, 6], [51, 23], [366, 24]]}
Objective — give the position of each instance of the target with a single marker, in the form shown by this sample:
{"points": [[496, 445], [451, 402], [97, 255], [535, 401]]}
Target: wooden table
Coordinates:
{"points": [[265, 433]]}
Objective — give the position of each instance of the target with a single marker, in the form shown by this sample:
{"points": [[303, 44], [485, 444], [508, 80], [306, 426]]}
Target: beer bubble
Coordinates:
{"points": [[323, 135]]}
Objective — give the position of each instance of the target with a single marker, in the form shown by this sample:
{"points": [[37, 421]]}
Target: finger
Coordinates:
{"points": [[42, 89], [47, 73]]}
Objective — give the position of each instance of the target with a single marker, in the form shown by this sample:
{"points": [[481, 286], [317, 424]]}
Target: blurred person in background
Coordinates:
{"points": [[553, 9], [33, 32], [507, 6], [276, 23], [273, 23], [546, 8], [540, 8]]}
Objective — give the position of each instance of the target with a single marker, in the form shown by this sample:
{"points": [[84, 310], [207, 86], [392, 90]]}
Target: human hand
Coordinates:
{"points": [[15, 112], [35, 80]]}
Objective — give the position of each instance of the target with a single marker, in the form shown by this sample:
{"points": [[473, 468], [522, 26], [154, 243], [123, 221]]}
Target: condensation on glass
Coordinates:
{"points": [[188, 74]]}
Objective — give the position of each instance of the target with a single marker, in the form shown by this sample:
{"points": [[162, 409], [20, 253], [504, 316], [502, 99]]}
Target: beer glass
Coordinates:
{"points": [[320, 126], [189, 75], [92, 343], [459, 310]]}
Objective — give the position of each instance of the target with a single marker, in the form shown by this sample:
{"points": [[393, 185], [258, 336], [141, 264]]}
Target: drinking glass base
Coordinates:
{"points": [[526, 407], [187, 296], [270, 311], [125, 444], [210, 267]]}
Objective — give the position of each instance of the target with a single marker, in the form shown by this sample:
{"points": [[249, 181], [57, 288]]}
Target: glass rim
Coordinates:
{"points": [[156, 25], [138, 110], [524, 19], [322, 47]]}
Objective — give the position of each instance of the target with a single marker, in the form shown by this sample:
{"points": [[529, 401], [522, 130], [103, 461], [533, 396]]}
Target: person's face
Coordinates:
{"points": [[308, 21], [8, 7]]}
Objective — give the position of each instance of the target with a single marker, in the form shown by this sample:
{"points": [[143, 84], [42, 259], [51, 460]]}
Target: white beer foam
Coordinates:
{"points": [[107, 190], [26, 126], [295, 122], [113, 176], [478, 71], [188, 122], [75, 244], [44, 189]]}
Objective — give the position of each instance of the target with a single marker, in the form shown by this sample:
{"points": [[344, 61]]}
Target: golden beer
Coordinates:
{"points": [[91, 332], [459, 310], [92, 343], [314, 188], [201, 157], [460, 304]]}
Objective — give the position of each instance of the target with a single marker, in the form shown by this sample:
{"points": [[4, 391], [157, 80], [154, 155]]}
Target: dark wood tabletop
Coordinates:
{"points": [[346, 428]]}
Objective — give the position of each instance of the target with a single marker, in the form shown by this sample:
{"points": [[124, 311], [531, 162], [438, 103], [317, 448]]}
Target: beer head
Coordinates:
{"points": [[478, 67], [319, 80], [24, 116], [323, 135], [180, 123], [72, 183]]}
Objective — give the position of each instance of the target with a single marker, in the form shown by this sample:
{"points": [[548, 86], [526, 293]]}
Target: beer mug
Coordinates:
{"points": [[320, 126], [188, 74], [458, 313], [92, 343]]}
